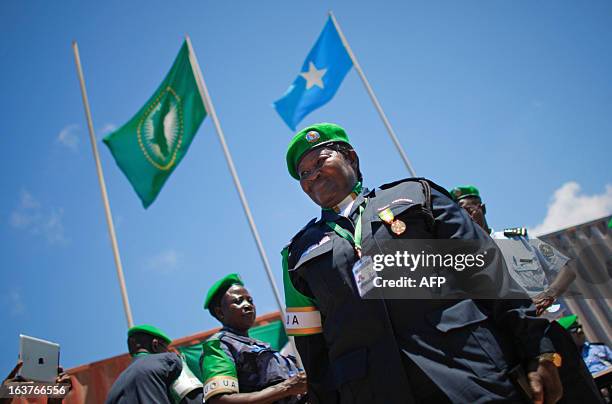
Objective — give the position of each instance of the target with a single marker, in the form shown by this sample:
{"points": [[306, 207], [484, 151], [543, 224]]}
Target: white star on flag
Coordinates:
{"points": [[313, 76]]}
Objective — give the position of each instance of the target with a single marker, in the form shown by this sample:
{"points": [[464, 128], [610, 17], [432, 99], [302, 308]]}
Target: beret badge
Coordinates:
{"points": [[312, 136]]}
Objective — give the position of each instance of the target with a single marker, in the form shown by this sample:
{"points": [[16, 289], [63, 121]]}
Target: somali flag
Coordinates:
{"points": [[322, 72]]}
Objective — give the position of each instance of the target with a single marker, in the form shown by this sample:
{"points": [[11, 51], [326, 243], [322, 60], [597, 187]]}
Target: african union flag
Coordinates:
{"points": [[150, 146]]}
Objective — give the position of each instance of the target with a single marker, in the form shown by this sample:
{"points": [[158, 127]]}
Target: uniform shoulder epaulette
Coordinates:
{"points": [[215, 336], [302, 230], [394, 183], [432, 184], [515, 231]]}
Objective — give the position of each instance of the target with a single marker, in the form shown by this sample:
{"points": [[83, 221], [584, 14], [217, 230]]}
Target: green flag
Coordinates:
{"points": [[150, 146]]}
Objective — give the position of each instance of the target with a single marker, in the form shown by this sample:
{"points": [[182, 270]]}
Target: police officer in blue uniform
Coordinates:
{"points": [[237, 368], [359, 350], [155, 374], [537, 267]]}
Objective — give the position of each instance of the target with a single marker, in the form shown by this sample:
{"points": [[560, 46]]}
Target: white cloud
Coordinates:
{"points": [[106, 129], [569, 207], [15, 303], [30, 216], [68, 137], [165, 262]]}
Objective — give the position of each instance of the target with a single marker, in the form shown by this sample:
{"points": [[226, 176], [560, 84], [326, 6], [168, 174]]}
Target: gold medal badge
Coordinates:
{"points": [[397, 226]]}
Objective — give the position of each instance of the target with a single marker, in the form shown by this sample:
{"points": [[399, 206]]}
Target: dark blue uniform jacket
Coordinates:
{"points": [[368, 348], [146, 380]]}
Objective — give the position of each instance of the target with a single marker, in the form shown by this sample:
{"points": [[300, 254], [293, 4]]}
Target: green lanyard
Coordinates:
{"points": [[345, 234]]}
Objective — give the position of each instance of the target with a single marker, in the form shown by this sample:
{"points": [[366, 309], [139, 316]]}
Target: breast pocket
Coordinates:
{"points": [[417, 219], [528, 272]]}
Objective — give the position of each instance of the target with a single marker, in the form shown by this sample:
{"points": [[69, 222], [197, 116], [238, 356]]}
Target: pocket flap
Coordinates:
{"points": [[397, 208], [464, 313], [350, 366]]}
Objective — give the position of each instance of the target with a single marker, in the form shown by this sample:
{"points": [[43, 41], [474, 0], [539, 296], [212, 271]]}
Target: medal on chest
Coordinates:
{"points": [[397, 226]]}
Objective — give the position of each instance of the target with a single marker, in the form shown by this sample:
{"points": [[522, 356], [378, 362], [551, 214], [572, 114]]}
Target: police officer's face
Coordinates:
{"points": [[475, 208], [237, 308], [327, 176]]}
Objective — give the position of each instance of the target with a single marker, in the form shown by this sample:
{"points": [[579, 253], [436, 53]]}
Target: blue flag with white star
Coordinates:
{"points": [[322, 72]]}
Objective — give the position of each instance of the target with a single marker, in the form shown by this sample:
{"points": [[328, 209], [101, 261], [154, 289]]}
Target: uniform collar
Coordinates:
{"points": [[344, 207], [244, 338], [235, 331], [347, 207], [140, 355]]}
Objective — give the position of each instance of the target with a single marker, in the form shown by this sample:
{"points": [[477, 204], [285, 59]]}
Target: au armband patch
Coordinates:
{"points": [[301, 321], [220, 384], [185, 383]]}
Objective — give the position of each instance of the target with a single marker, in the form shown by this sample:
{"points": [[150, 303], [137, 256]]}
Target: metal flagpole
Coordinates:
{"points": [[230, 163], [107, 210], [373, 97]]}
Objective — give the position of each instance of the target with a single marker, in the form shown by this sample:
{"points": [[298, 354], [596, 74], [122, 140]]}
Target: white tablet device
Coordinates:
{"points": [[40, 359]]}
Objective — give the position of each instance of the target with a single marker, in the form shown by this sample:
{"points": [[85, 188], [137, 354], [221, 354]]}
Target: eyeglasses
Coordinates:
{"points": [[306, 174]]}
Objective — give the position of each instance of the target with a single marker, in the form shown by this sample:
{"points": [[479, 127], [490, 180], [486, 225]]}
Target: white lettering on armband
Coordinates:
{"points": [[220, 384], [302, 321]]}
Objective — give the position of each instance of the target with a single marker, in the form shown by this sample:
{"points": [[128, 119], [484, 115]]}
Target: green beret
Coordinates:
{"points": [[221, 286], [568, 321], [464, 191], [309, 138], [149, 329]]}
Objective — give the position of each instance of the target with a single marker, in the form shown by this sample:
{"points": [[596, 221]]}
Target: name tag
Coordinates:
{"points": [[364, 274]]}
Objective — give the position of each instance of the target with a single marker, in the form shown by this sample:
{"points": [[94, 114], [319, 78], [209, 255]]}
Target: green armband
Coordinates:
{"points": [[303, 316], [218, 370]]}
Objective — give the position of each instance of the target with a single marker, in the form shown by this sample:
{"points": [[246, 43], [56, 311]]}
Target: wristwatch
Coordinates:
{"points": [[553, 357]]}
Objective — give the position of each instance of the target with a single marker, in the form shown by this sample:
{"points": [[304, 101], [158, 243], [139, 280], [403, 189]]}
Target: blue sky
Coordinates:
{"points": [[514, 97]]}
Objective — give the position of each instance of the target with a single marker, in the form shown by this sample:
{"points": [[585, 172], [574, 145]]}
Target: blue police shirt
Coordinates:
{"points": [[596, 356]]}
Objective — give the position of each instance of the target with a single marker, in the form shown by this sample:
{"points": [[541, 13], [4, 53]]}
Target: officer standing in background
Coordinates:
{"points": [[596, 355], [237, 368], [397, 351], [535, 265], [155, 374]]}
